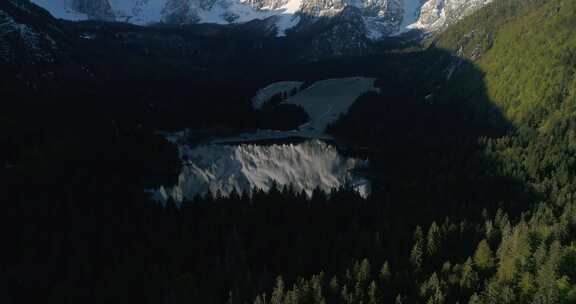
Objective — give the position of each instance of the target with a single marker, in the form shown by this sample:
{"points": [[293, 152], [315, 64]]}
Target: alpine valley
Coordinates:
{"points": [[288, 151]]}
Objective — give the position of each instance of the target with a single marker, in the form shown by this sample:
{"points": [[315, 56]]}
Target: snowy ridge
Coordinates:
{"points": [[435, 15], [220, 169], [410, 14], [61, 9], [137, 11], [382, 18], [146, 12]]}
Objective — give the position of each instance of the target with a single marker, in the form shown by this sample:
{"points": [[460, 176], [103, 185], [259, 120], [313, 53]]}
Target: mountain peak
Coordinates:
{"points": [[382, 18]]}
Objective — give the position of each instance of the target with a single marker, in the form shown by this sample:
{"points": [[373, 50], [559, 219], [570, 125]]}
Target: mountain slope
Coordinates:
{"points": [[382, 18], [529, 70], [33, 45], [457, 216], [516, 59]]}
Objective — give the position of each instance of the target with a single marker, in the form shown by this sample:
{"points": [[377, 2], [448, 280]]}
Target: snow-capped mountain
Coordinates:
{"points": [[437, 14], [381, 18]]}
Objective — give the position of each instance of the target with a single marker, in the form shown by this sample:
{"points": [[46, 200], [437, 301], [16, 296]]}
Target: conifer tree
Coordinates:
{"points": [[432, 290], [363, 272], [278, 292], [483, 257], [433, 239], [416, 257], [385, 275], [469, 276], [373, 296], [417, 252]]}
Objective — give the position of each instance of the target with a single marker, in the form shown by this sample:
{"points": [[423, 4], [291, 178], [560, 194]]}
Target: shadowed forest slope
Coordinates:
{"points": [[471, 143], [521, 64]]}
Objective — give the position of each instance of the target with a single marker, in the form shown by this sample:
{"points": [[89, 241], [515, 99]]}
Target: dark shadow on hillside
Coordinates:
{"points": [[77, 156], [425, 133]]}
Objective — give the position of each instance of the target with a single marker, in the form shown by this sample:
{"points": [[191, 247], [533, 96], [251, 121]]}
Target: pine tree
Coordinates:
{"points": [[385, 275], [433, 239], [526, 285], [417, 252], [373, 296], [363, 272], [347, 296], [260, 299], [475, 299], [418, 234], [278, 292], [497, 292], [432, 290], [230, 298], [334, 285], [469, 277], [293, 296], [316, 288], [416, 256], [546, 277], [483, 257]]}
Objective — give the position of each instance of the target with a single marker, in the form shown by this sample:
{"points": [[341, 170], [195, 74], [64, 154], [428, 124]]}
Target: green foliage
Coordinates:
{"points": [[433, 239], [499, 204], [483, 257], [525, 53], [417, 252], [432, 290], [528, 70], [469, 278], [385, 273]]}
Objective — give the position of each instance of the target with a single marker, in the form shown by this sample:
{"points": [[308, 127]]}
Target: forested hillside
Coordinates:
{"points": [[517, 76], [472, 148]]}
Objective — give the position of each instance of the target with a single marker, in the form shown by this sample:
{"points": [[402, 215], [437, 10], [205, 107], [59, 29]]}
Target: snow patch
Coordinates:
{"points": [[145, 12], [282, 87], [226, 12], [285, 22], [236, 163], [382, 18], [434, 15], [221, 169], [61, 9], [324, 101], [411, 13], [138, 11]]}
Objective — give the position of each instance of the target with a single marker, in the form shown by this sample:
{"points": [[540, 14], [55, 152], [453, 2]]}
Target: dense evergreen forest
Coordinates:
{"points": [[472, 144]]}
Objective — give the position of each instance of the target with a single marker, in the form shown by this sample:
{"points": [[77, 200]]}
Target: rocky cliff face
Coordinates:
{"points": [[380, 18], [343, 34]]}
